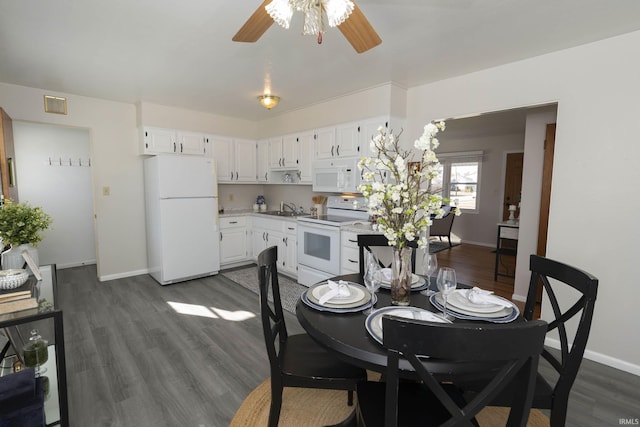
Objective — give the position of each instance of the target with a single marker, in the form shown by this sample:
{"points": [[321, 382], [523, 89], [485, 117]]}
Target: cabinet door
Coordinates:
{"points": [[290, 151], [275, 153], [223, 155], [290, 250], [324, 140], [158, 140], [306, 155], [245, 160], [276, 238], [262, 161], [347, 140], [233, 244], [190, 143]]}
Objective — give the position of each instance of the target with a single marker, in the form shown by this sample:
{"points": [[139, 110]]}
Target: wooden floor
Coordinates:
{"points": [[141, 354]]}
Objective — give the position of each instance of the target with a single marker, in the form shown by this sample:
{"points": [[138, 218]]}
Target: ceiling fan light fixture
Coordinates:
{"points": [[281, 11], [337, 11], [269, 101]]}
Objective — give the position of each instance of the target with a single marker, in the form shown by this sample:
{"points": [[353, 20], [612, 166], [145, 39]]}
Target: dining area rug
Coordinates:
{"points": [[305, 407], [247, 277]]}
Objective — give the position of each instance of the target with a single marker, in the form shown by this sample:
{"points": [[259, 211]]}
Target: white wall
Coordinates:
{"points": [[119, 224], [597, 90], [480, 228], [63, 190]]}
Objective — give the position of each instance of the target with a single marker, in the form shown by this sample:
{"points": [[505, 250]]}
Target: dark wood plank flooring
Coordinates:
{"points": [[133, 360]]}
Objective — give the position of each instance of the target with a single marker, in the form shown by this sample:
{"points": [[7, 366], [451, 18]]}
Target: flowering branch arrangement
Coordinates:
{"points": [[21, 223], [400, 198]]}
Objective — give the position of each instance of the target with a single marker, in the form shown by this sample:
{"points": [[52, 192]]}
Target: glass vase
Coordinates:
{"points": [[401, 276]]}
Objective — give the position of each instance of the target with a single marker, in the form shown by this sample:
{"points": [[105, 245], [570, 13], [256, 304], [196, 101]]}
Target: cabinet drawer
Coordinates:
{"points": [[290, 227], [509, 233], [233, 221], [350, 258], [349, 239]]}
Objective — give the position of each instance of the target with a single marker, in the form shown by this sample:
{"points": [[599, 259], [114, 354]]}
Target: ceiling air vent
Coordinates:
{"points": [[55, 104]]}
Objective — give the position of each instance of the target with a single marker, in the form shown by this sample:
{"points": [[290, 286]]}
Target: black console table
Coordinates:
{"points": [[507, 232], [47, 318]]}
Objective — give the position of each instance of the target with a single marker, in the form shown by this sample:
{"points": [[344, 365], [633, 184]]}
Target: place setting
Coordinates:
{"points": [[338, 296], [470, 304], [384, 276]]}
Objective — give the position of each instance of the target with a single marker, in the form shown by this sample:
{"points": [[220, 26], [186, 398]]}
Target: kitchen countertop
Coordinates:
{"points": [[251, 212]]}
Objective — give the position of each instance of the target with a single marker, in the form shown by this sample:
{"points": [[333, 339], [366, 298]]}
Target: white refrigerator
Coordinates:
{"points": [[181, 197]]}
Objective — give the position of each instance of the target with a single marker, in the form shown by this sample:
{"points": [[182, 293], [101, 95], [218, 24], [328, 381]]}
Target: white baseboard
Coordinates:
{"points": [[601, 358], [122, 275]]}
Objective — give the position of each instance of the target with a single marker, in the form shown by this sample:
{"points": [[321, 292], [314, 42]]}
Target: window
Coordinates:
{"points": [[460, 179]]}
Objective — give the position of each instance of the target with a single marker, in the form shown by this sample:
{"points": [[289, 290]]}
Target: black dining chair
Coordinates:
{"points": [[554, 395], [507, 352], [295, 360], [367, 241]]}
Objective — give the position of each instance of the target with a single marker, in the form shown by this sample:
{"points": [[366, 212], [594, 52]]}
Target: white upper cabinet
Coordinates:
{"points": [[235, 158], [191, 143], [159, 140], [306, 156], [245, 160], [262, 161], [283, 153], [356, 136], [325, 141]]}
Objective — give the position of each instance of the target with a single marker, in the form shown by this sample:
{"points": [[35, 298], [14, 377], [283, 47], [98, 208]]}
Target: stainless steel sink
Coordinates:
{"points": [[282, 213]]}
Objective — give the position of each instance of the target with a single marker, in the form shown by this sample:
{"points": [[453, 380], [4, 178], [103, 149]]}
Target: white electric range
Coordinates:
{"points": [[319, 238]]}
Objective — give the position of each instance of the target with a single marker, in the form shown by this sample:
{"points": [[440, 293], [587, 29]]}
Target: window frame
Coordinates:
{"points": [[449, 159]]}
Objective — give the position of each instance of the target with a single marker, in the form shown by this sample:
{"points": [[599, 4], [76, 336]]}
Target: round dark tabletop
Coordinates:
{"points": [[347, 336]]}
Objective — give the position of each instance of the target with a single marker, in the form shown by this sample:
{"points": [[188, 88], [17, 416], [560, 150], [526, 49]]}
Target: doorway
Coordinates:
{"points": [[54, 172]]}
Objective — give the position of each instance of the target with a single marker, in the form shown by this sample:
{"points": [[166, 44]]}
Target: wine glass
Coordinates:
{"points": [[446, 285], [371, 279], [429, 266]]}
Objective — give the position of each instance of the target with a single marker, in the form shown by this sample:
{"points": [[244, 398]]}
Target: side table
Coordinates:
{"points": [[45, 316], [509, 232]]}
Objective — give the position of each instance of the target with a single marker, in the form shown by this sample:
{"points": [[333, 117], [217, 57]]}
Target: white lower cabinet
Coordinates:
{"points": [[233, 239], [267, 232], [290, 255], [350, 253]]}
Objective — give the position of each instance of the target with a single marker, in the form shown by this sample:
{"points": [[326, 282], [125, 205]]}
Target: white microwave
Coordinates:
{"points": [[336, 176]]}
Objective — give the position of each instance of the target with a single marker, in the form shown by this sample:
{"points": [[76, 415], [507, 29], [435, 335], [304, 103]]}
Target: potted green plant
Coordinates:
{"points": [[21, 226]]}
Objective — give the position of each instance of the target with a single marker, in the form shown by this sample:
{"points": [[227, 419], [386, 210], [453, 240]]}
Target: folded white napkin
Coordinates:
{"points": [[481, 296], [386, 274], [339, 289]]}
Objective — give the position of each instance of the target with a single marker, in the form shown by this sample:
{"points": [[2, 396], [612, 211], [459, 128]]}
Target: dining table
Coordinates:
{"points": [[346, 335]]}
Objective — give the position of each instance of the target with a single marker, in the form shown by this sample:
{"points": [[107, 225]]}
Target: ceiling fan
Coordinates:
{"points": [[344, 14]]}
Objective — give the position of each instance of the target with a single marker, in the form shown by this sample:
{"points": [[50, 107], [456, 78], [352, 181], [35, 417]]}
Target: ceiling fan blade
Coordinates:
{"points": [[255, 26], [359, 32]]}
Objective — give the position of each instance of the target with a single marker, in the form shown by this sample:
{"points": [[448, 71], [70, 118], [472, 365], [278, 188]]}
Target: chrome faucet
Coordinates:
{"points": [[291, 207]]}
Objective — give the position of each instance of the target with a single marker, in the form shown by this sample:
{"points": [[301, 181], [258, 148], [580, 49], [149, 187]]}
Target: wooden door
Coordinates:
{"points": [[545, 195], [7, 158], [512, 183]]}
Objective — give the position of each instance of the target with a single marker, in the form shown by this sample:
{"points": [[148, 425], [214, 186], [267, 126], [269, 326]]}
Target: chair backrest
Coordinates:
{"points": [[542, 269], [273, 325], [367, 241], [442, 226], [505, 352]]}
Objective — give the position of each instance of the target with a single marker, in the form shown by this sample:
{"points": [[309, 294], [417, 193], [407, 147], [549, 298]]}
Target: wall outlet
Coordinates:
{"points": [[231, 197], [106, 191]]}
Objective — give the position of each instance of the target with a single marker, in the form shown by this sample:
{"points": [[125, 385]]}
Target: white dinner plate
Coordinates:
{"points": [[373, 323], [355, 294], [459, 299], [415, 279], [503, 312]]}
